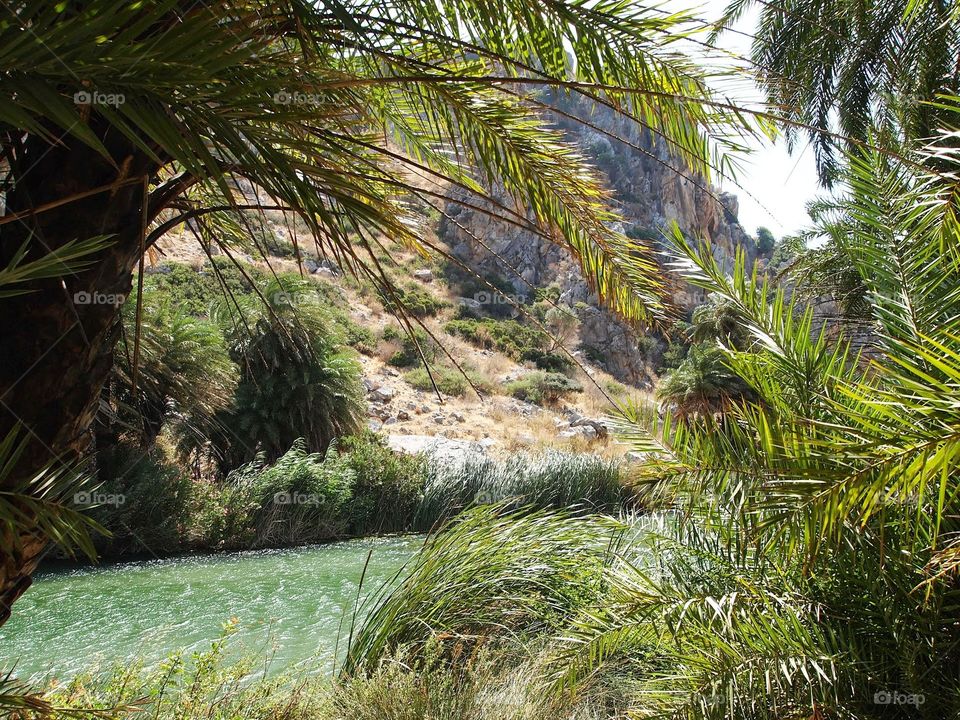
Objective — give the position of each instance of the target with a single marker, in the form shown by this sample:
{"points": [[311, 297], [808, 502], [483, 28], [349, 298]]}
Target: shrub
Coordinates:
{"points": [[673, 356], [409, 355], [450, 381], [299, 499], [157, 498], [543, 388], [552, 361], [415, 301], [510, 337], [387, 486]]}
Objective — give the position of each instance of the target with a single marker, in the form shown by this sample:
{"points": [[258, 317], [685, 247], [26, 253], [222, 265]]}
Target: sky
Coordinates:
{"points": [[773, 186]]}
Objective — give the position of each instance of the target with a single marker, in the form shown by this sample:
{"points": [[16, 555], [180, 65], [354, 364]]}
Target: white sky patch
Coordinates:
{"points": [[773, 185]]}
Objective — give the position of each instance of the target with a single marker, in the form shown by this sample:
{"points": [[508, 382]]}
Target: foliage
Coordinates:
{"points": [[387, 486], [765, 241], [875, 77], [414, 301], [718, 321], [43, 505], [543, 388], [157, 508], [210, 684], [703, 386], [415, 346], [295, 381], [673, 356], [510, 337], [228, 96], [449, 381], [184, 374], [827, 500], [299, 499], [533, 481], [488, 573]]}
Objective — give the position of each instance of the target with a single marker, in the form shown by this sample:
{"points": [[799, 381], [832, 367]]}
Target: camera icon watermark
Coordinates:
{"points": [[890, 697], [282, 297], [94, 498], [97, 298], [295, 498], [484, 497], [495, 298], [296, 98], [95, 97]]}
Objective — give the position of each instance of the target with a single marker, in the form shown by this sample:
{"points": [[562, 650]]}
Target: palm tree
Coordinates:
{"points": [[182, 377], [825, 533], [296, 380], [121, 121], [718, 320], [843, 71], [703, 386]]}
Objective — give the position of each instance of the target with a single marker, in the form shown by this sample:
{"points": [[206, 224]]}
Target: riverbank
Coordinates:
{"points": [[360, 488]]}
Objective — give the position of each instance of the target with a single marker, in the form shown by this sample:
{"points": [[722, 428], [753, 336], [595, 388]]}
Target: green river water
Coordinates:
{"points": [[292, 603]]}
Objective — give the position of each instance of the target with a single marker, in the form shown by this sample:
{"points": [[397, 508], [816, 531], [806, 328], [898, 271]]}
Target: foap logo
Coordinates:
{"points": [[97, 298], [294, 498], [91, 498], [888, 697], [95, 97], [484, 497], [296, 98], [494, 298], [285, 298], [686, 298]]}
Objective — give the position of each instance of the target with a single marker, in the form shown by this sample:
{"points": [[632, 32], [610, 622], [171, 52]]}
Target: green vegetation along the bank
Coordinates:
{"points": [[359, 487]]}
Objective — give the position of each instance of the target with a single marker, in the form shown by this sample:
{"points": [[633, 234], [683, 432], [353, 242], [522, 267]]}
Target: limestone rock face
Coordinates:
{"points": [[651, 189]]}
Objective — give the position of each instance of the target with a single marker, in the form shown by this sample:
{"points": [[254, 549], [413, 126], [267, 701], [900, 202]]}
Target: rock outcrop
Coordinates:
{"points": [[651, 190]]}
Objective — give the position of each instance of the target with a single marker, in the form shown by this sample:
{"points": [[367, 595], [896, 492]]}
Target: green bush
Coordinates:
{"points": [[298, 499], [415, 301], [193, 291], [552, 361], [509, 337], [409, 355], [673, 356], [154, 501], [543, 388], [387, 487], [450, 381]]}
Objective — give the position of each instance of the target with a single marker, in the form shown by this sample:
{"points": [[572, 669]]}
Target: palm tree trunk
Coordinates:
{"points": [[57, 340]]}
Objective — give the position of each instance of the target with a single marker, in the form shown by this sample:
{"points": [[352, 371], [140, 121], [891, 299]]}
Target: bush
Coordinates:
{"points": [[543, 388], [299, 499], [552, 361], [510, 337], [155, 501], [415, 301], [450, 381], [387, 486], [408, 355], [673, 356]]}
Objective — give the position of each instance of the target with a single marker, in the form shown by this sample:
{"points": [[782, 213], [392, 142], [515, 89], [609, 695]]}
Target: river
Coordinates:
{"points": [[295, 604]]}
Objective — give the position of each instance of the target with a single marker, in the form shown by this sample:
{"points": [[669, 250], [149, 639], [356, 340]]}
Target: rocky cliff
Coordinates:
{"points": [[651, 190]]}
